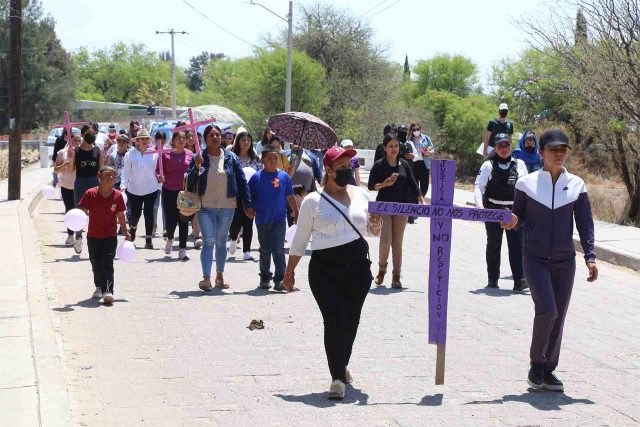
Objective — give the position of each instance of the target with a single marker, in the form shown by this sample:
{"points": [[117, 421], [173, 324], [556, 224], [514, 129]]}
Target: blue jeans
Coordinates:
{"points": [[271, 239], [214, 226]]}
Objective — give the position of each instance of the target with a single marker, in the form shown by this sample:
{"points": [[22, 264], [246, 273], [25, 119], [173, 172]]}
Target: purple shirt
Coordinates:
{"points": [[355, 164], [174, 166]]}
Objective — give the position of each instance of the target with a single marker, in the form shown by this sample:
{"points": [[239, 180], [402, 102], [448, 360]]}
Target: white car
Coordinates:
{"points": [[55, 133]]}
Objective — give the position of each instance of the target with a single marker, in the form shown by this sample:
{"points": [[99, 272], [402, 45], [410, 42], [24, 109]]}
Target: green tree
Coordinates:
{"points": [[195, 72], [580, 33], [47, 81], [406, 74], [451, 73]]}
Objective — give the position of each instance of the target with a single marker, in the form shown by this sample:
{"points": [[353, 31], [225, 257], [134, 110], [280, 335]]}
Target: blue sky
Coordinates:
{"points": [[484, 31]]}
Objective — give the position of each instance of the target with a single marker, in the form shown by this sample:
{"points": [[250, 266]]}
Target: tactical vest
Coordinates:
{"points": [[501, 185]]}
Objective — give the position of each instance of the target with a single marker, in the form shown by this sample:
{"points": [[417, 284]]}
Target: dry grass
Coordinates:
{"points": [[29, 156]]}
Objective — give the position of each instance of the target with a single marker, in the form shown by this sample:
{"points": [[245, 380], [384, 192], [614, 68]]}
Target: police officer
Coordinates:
{"points": [[495, 187]]}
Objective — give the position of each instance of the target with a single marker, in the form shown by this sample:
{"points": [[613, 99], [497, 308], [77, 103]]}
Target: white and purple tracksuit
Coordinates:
{"points": [[546, 211]]}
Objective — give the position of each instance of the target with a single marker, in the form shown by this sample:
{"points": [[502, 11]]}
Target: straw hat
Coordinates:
{"points": [[142, 134]]}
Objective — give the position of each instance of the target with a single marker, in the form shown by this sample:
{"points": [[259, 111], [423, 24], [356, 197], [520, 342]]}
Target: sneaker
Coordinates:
{"points": [[535, 378], [551, 382], [520, 285], [197, 243], [77, 245], [336, 390], [233, 246], [182, 254], [69, 240], [205, 285], [148, 244], [168, 246], [107, 298], [278, 286], [493, 284], [97, 294], [164, 235], [154, 233], [264, 285], [248, 257]]}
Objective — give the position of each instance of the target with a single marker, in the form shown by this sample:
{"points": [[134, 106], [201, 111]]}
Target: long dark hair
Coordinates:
{"points": [[208, 130], [236, 146], [388, 138], [265, 140]]}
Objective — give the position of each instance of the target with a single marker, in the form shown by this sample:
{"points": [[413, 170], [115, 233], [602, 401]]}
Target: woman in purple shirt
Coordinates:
{"points": [[174, 165]]}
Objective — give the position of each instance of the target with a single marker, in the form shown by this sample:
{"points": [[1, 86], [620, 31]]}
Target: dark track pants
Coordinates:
{"points": [[494, 246], [101, 254], [551, 284]]}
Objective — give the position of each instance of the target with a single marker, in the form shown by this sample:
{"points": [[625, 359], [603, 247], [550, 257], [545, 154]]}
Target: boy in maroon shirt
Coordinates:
{"points": [[104, 205]]}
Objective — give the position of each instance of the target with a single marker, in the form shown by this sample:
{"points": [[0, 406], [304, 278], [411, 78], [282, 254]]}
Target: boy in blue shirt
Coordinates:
{"points": [[271, 190]]}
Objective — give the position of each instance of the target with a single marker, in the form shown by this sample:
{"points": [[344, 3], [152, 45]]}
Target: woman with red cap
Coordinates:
{"points": [[340, 269]]}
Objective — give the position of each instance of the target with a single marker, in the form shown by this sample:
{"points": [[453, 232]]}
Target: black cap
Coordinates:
{"points": [[501, 137], [554, 138], [403, 126]]}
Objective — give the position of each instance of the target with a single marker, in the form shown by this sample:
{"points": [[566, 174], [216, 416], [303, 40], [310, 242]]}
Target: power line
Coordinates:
{"points": [[379, 12], [218, 25], [374, 7]]}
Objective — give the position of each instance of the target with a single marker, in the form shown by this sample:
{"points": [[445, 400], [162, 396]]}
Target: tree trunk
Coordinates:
{"points": [[634, 200]]}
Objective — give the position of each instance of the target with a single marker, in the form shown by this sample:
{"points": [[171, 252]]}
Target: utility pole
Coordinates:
{"points": [[173, 68], [289, 21], [15, 99]]}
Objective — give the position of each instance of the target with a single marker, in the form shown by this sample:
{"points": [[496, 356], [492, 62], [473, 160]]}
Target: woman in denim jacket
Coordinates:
{"points": [[220, 179]]}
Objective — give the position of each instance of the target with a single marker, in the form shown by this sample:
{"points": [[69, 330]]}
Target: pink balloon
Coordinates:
{"points": [[126, 251], [76, 220], [48, 192]]}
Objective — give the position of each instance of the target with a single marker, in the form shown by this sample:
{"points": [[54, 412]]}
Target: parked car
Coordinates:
{"points": [[54, 134]]}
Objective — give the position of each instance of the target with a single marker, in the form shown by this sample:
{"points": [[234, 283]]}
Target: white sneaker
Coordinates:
{"points": [[77, 245], [247, 256], [97, 293], [182, 254], [233, 246], [197, 243], [348, 376], [69, 240], [336, 390], [107, 298], [168, 247]]}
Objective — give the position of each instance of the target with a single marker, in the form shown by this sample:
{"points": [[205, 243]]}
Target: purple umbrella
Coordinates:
{"points": [[303, 128]]}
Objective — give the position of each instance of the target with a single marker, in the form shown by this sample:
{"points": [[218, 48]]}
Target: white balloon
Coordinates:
{"points": [[124, 197], [126, 251], [248, 172], [76, 220], [48, 192], [290, 234]]}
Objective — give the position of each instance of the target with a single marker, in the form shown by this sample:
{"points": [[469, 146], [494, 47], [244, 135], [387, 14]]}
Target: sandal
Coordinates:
{"points": [[205, 285], [395, 282], [336, 390], [382, 270], [219, 283]]}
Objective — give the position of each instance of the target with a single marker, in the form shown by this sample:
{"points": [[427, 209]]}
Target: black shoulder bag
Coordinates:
{"points": [[349, 221]]}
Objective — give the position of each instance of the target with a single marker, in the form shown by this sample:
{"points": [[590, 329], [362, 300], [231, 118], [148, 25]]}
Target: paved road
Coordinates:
{"points": [[167, 354]]}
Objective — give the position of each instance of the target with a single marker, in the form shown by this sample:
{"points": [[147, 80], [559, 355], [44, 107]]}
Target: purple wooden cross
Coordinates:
{"points": [[193, 127], [160, 152], [69, 127], [441, 211]]}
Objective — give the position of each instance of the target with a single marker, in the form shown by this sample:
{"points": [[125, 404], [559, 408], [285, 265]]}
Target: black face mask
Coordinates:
{"points": [[530, 149], [503, 161], [343, 177], [503, 113], [402, 136], [90, 138]]}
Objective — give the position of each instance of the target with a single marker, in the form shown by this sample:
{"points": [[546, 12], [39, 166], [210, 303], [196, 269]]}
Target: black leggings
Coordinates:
{"points": [[421, 174], [172, 219], [340, 279], [69, 203], [101, 253], [240, 220], [137, 204]]}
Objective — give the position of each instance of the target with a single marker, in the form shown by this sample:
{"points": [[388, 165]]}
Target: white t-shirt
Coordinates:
{"points": [[326, 227]]}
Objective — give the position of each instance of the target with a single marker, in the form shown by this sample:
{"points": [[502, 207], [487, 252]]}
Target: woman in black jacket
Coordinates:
{"points": [[393, 179]]}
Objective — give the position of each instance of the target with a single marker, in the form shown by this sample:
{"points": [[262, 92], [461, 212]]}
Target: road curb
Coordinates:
{"points": [[47, 343]]}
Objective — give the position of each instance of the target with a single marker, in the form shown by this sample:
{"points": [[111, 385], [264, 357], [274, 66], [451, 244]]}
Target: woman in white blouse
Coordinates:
{"points": [[339, 270], [140, 182]]}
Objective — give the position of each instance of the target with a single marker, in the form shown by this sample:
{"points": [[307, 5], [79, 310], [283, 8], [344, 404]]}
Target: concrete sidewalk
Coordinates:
{"points": [[617, 244], [32, 387]]}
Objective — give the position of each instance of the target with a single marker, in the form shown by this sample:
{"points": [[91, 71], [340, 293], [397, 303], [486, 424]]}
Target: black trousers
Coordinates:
{"points": [[101, 254], [69, 203], [172, 219], [494, 246], [421, 173], [340, 279], [138, 204], [241, 221]]}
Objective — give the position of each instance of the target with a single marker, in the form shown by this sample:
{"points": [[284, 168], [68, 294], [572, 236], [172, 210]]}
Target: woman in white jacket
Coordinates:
{"points": [[140, 182]]}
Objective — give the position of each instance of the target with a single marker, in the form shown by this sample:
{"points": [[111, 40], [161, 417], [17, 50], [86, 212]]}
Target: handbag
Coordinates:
{"points": [[349, 221], [189, 202]]}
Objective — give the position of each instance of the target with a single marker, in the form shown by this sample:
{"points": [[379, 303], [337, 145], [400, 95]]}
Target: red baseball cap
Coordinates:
{"points": [[335, 152]]}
